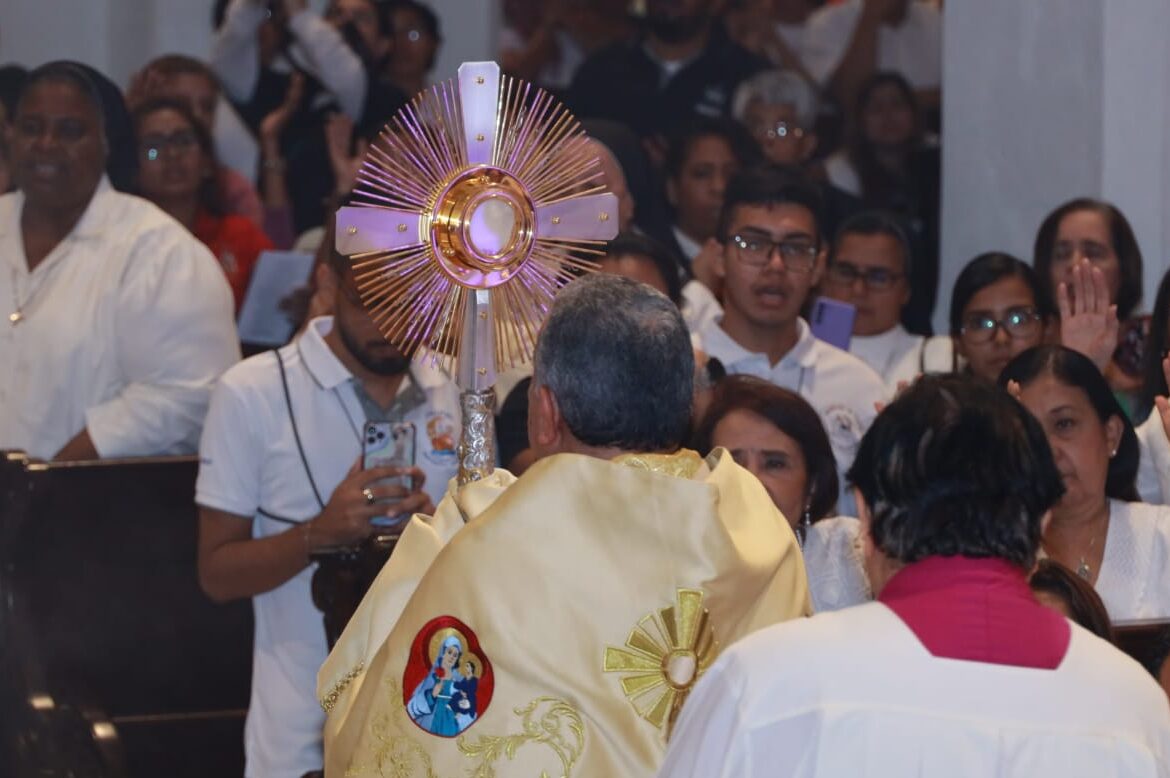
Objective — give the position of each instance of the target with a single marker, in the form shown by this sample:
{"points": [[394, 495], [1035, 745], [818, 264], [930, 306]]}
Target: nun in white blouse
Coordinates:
{"points": [[117, 321], [779, 437], [1100, 529]]}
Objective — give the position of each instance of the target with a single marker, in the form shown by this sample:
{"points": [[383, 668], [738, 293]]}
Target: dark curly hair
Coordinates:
{"points": [[956, 467]]}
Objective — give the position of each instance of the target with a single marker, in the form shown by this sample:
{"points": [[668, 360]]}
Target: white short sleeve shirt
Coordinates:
{"points": [[899, 356], [913, 48], [249, 462], [841, 387]]}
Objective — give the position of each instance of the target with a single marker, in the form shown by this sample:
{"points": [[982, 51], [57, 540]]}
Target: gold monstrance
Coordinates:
{"points": [[473, 208]]}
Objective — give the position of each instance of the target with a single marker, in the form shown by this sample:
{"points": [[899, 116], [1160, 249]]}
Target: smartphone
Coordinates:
{"points": [[832, 321], [389, 444]]}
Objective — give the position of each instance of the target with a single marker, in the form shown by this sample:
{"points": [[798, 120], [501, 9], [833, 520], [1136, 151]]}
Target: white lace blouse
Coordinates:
{"points": [[833, 560]]}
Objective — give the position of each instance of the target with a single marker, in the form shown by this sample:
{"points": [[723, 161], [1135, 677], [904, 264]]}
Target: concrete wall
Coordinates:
{"points": [[1046, 100]]}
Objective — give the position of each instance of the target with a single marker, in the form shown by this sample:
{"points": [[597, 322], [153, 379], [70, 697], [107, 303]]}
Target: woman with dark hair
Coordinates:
{"points": [[120, 321], [998, 309], [1095, 234], [777, 435], [956, 670], [1099, 529], [177, 172], [1066, 592]]}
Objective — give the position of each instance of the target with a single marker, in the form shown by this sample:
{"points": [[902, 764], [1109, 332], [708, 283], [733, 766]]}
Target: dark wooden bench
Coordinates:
{"points": [[112, 661]]}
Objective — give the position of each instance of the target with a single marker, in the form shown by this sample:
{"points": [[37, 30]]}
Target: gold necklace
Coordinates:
{"points": [[1083, 568]]}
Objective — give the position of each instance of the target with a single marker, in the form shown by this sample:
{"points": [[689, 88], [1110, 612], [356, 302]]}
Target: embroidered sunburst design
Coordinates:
{"points": [[480, 196], [663, 658]]}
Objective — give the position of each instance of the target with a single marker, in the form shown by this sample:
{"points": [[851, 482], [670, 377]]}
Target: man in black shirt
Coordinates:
{"points": [[683, 64]]}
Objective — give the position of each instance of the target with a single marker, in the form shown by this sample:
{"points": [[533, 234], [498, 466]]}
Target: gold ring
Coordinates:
{"points": [[370, 498]]}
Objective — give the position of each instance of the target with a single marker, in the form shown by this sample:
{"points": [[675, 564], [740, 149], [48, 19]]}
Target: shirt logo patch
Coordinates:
{"points": [[448, 681], [843, 427], [443, 434]]}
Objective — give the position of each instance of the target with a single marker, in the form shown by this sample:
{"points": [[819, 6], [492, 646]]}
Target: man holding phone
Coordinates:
{"points": [[281, 475]]}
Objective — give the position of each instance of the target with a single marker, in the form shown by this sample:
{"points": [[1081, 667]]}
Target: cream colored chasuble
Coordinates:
{"points": [[559, 631]]}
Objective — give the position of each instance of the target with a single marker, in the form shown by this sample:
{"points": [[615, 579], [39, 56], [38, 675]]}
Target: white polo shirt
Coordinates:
{"points": [[250, 462], [841, 387], [913, 48], [897, 355]]}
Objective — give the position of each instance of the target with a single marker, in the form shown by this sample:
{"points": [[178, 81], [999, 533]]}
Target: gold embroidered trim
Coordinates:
{"points": [[547, 721], [684, 463], [664, 656], [329, 701], [398, 753]]}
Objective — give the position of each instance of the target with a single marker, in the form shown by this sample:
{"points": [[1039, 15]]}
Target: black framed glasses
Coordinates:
{"points": [[798, 254], [1016, 322], [181, 141], [878, 279]]}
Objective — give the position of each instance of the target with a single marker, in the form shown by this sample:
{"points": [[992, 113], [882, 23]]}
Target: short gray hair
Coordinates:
{"points": [[778, 87], [617, 356]]}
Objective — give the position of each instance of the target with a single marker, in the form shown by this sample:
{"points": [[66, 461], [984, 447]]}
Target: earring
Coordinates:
{"points": [[1113, 453]]}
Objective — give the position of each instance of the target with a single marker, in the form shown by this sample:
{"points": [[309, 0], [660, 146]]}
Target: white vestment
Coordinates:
{"points": [[854, 693]]}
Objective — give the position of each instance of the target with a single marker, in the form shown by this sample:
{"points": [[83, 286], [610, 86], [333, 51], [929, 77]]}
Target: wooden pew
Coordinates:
{"points": [[113, 661], [1146, 641]]}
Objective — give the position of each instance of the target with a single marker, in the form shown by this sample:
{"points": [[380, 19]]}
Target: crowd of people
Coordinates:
{"points": [[776, 163]]}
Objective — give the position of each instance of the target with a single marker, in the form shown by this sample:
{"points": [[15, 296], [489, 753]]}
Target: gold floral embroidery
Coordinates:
{"points": [[663, 658], [682, 464], [330, 700], [546, 721]]}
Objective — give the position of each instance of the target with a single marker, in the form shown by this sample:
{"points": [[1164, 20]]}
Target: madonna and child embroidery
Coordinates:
{"points": [[447, 684]]}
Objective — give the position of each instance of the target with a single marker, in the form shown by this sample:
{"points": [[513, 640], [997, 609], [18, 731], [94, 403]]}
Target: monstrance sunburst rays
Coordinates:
{"points": [[474, 206], [664, 655]]}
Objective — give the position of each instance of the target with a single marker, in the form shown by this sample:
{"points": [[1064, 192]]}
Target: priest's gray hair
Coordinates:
{"points": [[617, 357]]}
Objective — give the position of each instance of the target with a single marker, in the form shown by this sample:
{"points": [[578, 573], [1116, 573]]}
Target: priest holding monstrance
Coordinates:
{"points": [[552, 624]]}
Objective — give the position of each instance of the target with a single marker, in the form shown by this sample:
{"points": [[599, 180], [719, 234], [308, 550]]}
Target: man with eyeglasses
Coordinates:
{"points": [[870, 269], [281, 476], [772, 256]]}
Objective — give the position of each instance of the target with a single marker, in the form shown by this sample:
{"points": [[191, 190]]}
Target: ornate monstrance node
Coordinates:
{"points": [[477, 201]]}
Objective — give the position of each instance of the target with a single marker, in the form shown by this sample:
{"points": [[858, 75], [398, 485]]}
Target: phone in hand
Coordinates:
{"points": [[832, 321], [389, 444]]}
